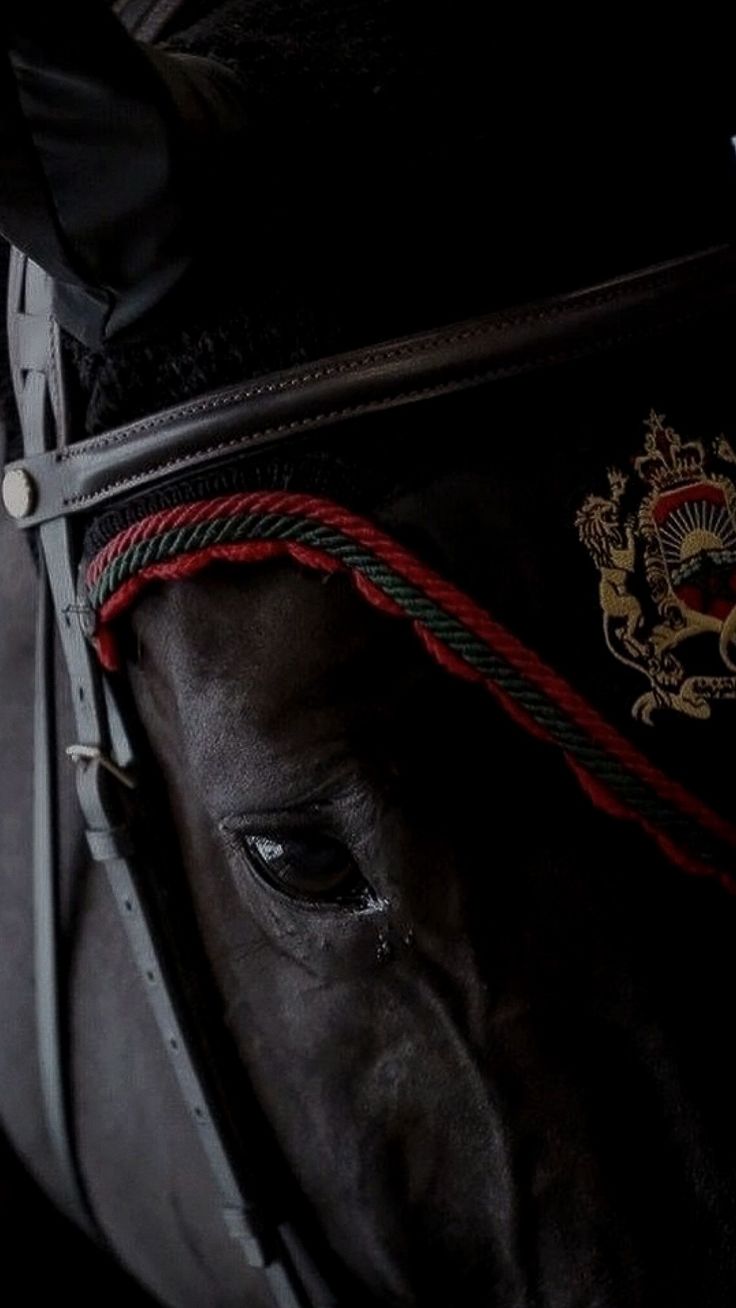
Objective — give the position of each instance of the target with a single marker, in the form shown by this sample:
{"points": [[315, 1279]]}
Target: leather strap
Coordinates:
{"points": [[105, 771], [240, 420], [105, 768], [33, 357], [31, 387]]}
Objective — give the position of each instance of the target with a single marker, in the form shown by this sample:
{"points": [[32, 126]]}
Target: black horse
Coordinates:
{"points": [[431, 699]]}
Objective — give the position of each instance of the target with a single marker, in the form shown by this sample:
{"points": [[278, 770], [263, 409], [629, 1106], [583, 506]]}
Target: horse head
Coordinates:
{"points": [[434, 933]]}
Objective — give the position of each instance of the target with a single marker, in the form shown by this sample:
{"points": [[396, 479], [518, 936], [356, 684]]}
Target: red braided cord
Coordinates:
{"points": [[257, 551], [441, 592]]}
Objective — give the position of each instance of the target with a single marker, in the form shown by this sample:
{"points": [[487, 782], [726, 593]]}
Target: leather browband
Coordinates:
{"points": [[236, 420]]}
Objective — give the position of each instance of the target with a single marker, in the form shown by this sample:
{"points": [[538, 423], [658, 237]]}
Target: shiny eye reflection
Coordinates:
{"points": [[310, 866]]}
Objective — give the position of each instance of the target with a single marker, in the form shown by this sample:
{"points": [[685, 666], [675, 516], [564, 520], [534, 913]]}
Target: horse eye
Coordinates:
{"points": [[311, 866]]}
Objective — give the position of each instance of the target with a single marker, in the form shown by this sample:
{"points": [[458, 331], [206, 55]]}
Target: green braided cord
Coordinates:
{"points": [[633, 792]]}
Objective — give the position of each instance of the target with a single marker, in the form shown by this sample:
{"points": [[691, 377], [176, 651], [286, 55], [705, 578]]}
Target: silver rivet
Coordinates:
{"points": [[19, 492]]}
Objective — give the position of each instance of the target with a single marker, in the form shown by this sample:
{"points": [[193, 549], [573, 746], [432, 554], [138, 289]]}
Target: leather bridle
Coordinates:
{"points": [[59, 480]]}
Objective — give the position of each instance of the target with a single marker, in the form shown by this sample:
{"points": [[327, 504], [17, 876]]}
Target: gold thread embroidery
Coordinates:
{"points": [[664, 543]]}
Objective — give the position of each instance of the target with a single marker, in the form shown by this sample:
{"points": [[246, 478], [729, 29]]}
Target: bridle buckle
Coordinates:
{"points": [[85, 754]]}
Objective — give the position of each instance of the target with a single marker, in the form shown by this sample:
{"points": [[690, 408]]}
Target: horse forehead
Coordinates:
{"points": [[272, 625], [282, 626], [267, 667], [280, 656]]}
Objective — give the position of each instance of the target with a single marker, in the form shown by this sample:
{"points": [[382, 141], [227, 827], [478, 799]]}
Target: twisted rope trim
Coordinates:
{"points": [[463, 638]]}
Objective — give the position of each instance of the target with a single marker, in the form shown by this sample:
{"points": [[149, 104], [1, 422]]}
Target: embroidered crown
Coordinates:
{"points": [[668, 461]]}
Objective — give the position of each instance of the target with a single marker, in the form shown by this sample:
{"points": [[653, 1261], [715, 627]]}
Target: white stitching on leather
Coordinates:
{"points": [[377, 356], [349, 411]]}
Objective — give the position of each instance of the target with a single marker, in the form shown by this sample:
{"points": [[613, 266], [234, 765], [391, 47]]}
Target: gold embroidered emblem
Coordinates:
{"points": [[664, 544]]}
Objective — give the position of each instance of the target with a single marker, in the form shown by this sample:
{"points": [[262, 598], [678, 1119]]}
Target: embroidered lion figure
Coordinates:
{"points": [[612, 546]]}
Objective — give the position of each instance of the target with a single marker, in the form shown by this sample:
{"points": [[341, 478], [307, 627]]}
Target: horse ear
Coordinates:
{"points": [[103, 144]]}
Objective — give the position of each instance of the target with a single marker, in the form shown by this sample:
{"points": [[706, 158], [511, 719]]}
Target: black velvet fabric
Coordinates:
{"points": [[405, 166]]}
